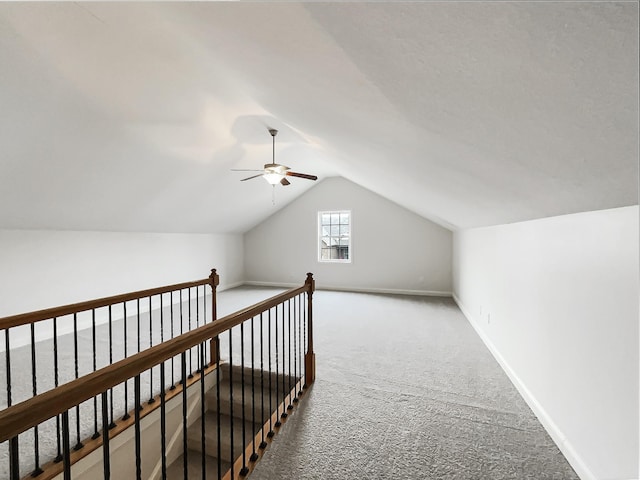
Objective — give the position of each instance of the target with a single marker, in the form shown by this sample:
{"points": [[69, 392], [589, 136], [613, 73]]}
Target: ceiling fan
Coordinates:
{"points": [[275, 173]]}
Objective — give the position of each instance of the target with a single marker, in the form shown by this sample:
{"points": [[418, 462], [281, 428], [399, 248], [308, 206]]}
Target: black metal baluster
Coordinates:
{"points": [[181, 330], [263, 419], [66, 445], [185, 460], [231, 399], [278, 422], [173, 371], [284, 364], [136, 416], [295, 350], [285, 392], [151, 399], [55, 384], [290, 407], [254, 455], [271, 433], [7, 358], [163, 421], [161, 325], [300, 348], [191, 349], [162, 379], [36, 441], [125, 340], [138, 401], [200, 364], [96, 433], [207, 347], [112, 424], [219, 450], [138, 322], [14, 459], [79, 445], [245, 470], [203, 440], [106, 453], [285, 360]]}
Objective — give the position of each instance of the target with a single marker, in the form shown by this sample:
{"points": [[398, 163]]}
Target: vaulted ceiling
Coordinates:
{"points": [[130, 116]]}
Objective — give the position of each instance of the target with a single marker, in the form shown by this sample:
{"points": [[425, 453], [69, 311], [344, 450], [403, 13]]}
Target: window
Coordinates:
{"points": [[334, 232]]}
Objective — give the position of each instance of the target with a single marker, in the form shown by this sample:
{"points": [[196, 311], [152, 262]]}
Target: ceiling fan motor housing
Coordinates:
{"points": [[275, 167]]}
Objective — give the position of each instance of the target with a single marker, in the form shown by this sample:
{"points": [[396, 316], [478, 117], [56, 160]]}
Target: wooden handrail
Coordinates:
{"points": [[29, 413], [31, 317]]}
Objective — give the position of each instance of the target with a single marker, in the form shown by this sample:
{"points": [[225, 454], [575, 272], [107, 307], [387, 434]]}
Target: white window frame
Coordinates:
{"points": [[319, 245]]}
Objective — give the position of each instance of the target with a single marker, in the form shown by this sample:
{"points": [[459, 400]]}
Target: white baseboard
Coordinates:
{"points": [[252, 283], [392, 291], [228, 286], [428, 293], [574, 459]]}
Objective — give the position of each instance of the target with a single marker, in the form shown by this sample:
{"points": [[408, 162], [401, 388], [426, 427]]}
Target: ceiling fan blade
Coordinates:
{"points": [[285, 182], [244, 170], [301, 175], [249, 178]]}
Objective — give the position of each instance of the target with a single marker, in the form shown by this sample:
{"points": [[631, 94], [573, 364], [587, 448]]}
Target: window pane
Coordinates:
{"points": [[335, 236]]}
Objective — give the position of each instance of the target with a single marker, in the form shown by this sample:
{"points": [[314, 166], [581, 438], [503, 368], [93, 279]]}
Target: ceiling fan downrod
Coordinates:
{"points": [[273, 133]]}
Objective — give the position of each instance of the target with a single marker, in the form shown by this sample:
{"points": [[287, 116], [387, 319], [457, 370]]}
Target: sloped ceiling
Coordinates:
{"points": [[130, 116]]}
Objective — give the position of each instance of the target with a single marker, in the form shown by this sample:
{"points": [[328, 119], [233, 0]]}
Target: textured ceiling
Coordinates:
{"points": [[129, 116]]}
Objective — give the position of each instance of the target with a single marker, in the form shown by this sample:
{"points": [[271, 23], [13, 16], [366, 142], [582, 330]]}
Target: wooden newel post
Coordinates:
{"points": [[214, 281], [310, 356]]}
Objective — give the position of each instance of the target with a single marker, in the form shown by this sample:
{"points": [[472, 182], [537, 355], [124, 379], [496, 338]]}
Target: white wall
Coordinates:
{"points": [[557, 302], [388, 244], [41, 269]]}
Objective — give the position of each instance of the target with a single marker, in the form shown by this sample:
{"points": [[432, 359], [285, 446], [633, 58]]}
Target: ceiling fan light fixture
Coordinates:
{"points": [[274, 173], [273, 178]]}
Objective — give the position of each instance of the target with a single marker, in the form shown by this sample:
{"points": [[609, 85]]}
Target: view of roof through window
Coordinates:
{"points": [[335, 236]]}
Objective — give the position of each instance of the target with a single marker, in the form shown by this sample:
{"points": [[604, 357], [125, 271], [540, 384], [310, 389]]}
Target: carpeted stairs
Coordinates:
{"points": [[231, 415]]}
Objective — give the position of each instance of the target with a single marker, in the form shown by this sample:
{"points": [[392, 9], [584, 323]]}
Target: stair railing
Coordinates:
{"points": [[49, 348], [285, 320]]}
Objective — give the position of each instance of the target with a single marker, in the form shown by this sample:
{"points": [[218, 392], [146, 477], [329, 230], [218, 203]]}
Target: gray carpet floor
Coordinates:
{"points": [[405, 389]]}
